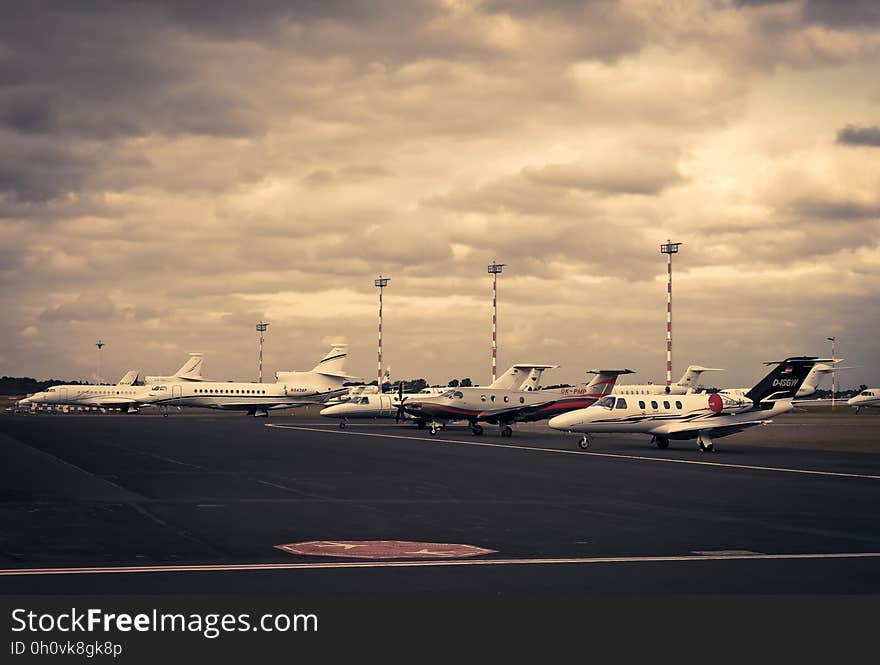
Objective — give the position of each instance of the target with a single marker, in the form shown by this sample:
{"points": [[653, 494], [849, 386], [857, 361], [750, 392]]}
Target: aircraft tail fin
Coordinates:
{"points": [[691, 377], [783, 381], [129, 379], [605, 379], [523, 376], [192, 368], [332, 364]]}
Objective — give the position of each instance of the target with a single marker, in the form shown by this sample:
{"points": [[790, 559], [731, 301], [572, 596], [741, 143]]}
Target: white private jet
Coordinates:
{"points": [[688, 383], [123, 395], [375, 405], [866, 398], [290, 389], [697, 416], [504, 406]]}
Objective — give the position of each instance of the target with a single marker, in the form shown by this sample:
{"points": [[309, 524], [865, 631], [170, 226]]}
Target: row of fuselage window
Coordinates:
{"points": [[621, 404], [209, 391]]}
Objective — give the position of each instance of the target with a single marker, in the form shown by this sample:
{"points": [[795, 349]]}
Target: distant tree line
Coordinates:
{"points": [[23, 385]]}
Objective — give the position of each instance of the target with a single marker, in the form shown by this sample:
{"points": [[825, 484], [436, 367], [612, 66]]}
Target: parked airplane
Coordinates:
{"points": [[355, 392], [123, 395], [191, 371], [373, 405], [503, 406], [866, 398], [689, 382], [290, 389], [698, 416]]}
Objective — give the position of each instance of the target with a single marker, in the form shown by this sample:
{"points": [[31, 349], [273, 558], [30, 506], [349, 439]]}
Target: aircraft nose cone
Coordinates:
{"points": [[564, 421], [331, 411]]}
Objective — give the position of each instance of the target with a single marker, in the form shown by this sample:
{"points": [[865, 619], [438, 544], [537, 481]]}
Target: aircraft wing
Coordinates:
{"points": [[806, 403], [513, 412], [690, 430], [117, 401]]}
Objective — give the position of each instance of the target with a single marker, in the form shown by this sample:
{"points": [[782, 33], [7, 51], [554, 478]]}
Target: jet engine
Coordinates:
{"points": [[719, 403]]}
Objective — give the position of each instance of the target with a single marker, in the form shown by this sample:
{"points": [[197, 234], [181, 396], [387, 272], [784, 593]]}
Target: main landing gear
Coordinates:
{"points": [[704, 443], [506, 431], [258, 413], [477, 429], [436, 427], [342, 424], [661, 442]]}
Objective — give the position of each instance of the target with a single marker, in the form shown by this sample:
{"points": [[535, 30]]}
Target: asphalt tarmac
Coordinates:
{"points": [[137, 504]]}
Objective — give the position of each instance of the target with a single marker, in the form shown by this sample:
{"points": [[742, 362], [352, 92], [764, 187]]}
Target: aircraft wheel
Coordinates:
{"points": [[433, 430], [477, 429], [164, 415], [507, 432], [584, 443], [342, 425], [662, 443]]}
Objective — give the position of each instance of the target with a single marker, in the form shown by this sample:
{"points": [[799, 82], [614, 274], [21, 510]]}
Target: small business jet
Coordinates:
{"points": [[699, 416], [688, 383], [291, 389], [123, 395], [504, 406], [866, 398], [374, 405]]}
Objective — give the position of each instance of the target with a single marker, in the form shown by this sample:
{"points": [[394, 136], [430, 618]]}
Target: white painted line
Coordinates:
{"points": [[427, 564], [560, 451]]}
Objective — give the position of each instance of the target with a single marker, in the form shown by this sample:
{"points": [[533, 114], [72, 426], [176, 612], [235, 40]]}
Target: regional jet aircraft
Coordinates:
{"points": [[123, 395], [504, 406], [688, 383], [869, 397], [698, 416], [290, 389]]}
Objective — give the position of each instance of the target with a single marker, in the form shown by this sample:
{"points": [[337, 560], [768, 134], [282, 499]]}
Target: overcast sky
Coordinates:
{"points": [[172, 172]]}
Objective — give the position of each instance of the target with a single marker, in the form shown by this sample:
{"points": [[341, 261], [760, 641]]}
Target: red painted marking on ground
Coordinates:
{"points": [[384, 549]]}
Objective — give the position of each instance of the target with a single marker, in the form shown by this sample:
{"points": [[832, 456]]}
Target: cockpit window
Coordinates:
{"points": [[621, 403], [363, 400], [607, 402]]}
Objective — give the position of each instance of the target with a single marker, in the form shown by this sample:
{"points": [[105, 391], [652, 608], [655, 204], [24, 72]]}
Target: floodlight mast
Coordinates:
{"points": [[669, 248], [381, 283], [495, 269], [261, 328]]}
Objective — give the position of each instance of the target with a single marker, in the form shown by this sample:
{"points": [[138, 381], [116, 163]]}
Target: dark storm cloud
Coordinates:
{"points": [[854, 135], [836, 210], [40, 171], [843, 14]]}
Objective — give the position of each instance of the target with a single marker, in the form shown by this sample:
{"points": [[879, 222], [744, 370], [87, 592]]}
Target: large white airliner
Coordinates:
{"points": [[505, 406], [123, 395], [866, 398], [697, 416], [689, 382], [290, 389]]}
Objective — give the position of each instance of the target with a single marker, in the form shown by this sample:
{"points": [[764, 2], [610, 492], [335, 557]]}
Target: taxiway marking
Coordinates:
{"points": [[432, 563], [560, 451]]}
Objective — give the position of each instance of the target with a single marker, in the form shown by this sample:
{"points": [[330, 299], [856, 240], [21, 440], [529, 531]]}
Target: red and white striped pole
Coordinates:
{"points": [[494, 270], [261, 328], [381, 282], [669, 249]]}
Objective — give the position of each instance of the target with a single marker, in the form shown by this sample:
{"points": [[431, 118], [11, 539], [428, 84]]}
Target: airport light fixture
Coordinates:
{"points": [[381, 283], [833, 373], [669, 248], [261, 328], [495, 269], [100, 346]]}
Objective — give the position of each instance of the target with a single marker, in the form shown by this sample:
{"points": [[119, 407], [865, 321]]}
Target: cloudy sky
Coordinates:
{"points": [[171, 172]]}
